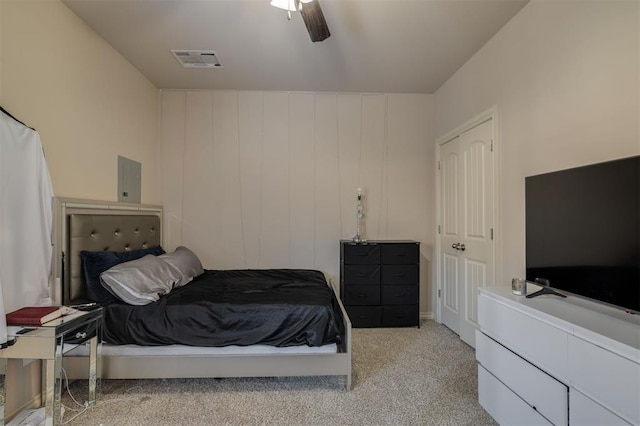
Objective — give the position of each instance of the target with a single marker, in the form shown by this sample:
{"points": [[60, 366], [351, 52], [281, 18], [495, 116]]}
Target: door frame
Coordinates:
{"points": [[489, 114]]}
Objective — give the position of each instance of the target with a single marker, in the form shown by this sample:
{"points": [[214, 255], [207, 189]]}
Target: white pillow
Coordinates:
{"points": [[141, 281], [185, 262]]}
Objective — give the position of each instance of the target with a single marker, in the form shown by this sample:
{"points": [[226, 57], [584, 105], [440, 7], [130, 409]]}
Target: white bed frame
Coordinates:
{"points": [[204, 364]]}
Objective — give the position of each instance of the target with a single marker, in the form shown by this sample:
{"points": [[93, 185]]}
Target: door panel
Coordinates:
{"points": [[450, 201], [475, 190], [450, 189], [451, 310], [474, 278]]}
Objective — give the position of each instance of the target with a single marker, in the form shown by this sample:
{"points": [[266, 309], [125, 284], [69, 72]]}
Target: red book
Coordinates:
{"points": [[33, 315]]}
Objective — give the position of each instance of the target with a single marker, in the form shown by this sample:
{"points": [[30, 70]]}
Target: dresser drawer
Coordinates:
{"points": [[399, 294], [522, 334], [586, 412], [361, 254], [400, 315], [542, 392], [361, 275], [400, 274], [362, 295], [364, 316], [400, 254], [504, 405], [607, 377]]}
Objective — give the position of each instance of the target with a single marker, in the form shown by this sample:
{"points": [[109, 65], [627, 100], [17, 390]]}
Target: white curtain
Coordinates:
{"points": [[26, 216]]}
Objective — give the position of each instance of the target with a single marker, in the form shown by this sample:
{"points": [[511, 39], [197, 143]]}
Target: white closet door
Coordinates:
{"points": [[467, 252]]}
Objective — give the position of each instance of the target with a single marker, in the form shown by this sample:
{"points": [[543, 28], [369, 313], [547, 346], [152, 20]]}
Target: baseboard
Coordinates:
{"points": [[426, 316], [34, 402]]}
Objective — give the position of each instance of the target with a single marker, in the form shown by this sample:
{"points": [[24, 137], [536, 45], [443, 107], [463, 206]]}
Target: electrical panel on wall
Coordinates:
{"points": [[129, 180]]}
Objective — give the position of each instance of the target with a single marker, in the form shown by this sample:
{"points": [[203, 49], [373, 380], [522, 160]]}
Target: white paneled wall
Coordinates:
{"points": [[268, 179]]}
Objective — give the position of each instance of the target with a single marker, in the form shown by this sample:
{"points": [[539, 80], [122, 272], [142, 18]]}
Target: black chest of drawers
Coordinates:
{"points": [[380, 281]]}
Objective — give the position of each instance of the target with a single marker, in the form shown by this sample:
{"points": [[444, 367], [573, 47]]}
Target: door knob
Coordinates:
{"points": [[458, 246]]}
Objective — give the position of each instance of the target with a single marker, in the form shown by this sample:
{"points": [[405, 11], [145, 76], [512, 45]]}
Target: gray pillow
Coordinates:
{"points": [[141, 281], [185, 262]]}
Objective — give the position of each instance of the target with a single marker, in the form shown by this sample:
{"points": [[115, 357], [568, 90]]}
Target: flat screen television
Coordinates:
{"points": [[583, 231]]}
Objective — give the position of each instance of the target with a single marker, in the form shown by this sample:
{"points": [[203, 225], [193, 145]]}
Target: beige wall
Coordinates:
{"points": [[269, 179], [87, 103], [565, 77]]}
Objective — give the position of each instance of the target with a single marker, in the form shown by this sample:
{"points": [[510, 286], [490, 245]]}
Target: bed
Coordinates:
{"points": [[93, 226]]}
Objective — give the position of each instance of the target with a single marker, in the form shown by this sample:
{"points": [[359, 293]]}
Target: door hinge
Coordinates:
{"points": [[491, 145], [438, 229], [438, 165], [438, 293], [492, 233]]}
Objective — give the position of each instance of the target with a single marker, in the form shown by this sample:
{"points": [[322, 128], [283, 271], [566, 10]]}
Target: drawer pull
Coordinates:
{"points": [[361, 275], [399, 274], [362, 295], [81, 335]]}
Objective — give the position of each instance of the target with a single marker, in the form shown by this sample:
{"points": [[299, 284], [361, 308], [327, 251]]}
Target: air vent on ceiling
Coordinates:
{"points": [[197, 58]]}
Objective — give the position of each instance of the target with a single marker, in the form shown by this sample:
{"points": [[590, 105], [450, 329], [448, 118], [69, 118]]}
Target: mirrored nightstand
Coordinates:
{"points": [[49, 342]]}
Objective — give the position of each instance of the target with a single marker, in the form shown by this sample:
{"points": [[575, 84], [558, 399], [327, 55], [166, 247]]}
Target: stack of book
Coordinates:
{"points": [[33, 315]]}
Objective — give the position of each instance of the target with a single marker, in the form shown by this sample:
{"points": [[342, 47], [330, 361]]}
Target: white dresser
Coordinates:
{"points": [[549, 360]]}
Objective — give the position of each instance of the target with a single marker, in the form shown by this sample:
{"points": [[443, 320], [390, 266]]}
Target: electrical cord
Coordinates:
{"points": [[85, 405]]}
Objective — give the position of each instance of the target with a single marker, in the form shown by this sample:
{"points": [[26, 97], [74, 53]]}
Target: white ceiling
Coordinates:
{"points": [[383, 46]]}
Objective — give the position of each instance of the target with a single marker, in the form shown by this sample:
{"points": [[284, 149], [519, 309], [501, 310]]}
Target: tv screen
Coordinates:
{"points": [[583, 231]]}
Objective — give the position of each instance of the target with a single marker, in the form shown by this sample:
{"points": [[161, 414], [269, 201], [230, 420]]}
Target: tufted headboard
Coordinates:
{"points": [[100, 231]]}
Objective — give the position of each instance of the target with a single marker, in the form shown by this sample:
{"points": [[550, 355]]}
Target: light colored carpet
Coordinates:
{"points": [[401, 376]]}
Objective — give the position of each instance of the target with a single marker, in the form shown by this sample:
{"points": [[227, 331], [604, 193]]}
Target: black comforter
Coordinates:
{"points": [[277, 307]]}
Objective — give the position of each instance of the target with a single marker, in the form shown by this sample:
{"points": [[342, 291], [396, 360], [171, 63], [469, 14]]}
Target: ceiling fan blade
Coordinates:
{"points": [[314, 20]]}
